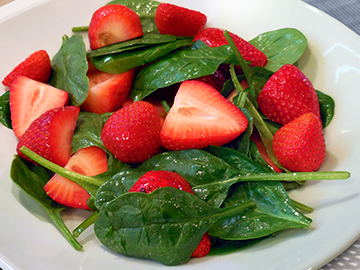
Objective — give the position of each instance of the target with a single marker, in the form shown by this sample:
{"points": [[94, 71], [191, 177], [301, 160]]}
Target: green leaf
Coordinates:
{"points": [[165, 225], [69, 69], [327, 108], [282, 46], [124, 61], [32, 179], [5, 114]]}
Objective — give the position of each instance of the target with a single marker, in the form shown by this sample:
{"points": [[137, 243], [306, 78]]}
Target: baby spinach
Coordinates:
{"points": [[32, 179], [327, 108], [69, 69], [5, 115], [282, 46], [165, 225], [197, 61], [124, 61]]}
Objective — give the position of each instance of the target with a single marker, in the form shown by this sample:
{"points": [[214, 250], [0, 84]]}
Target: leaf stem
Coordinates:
{"points": [[85, 224], [79, 29]]}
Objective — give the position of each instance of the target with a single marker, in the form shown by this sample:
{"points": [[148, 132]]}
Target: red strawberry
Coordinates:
{"points": [[178, 21], [157, 179], [88, 161], [107, 92], [112, 24], [216, 80], [203, 248], [299, 145], [132, 134], [37, 67], [214, 37], [50, 135], [29, 99], [201, 116], [287, 95]]}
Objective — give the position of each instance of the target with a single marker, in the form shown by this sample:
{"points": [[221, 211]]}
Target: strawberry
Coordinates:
{"points": [[214, 37], [216, 80], [107, 92], [287, 95], [203, 248], [132, 134], [201, 116], [29, 99], [179, 21], [88, 161], [299, 145], [157, 179], [112, 24], [50, 135], [37, 66]]}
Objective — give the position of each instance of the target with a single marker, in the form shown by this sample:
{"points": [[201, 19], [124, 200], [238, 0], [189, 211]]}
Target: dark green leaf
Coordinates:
{"points": [[69, 69], [221, 246], [5, 115], [283, 46], [327, 108]]}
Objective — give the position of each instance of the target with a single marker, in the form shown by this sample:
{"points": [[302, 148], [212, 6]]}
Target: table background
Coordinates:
{"points": [[347, 12]]}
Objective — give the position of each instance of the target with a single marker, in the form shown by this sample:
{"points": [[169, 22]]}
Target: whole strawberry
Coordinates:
{"points": [[299, 145], [51, 134], [132, 134], [287, 95], [37, 66], [178, 21], [214, 37]]}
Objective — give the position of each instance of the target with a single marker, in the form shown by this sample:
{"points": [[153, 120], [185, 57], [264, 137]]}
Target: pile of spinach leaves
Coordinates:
{"points": [[238, 199]]}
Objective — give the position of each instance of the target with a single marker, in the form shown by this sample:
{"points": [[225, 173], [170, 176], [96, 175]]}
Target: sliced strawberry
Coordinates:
{"points": [[112, 24], [299, 145], [214, 37], [203, 248], [37, 66], [29, 99], [201, 116], [107, 92], [287, 95], [50, 135], [132, 134], [88, 161], [179, 21]]}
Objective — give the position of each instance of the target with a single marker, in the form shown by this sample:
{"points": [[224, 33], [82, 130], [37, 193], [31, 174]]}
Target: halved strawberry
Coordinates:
{"points": [[107, 92], [201, 116], [88, 161], [50, 135], [29, 99], [179, 21], [113, 23], [37, 66], [214, 37]]}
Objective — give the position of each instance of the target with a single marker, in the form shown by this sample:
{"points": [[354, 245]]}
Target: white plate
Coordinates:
{"points": [[29, 240]]}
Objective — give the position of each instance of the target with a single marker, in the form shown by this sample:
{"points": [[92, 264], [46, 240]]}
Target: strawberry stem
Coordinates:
{"points": [[91, 184]]}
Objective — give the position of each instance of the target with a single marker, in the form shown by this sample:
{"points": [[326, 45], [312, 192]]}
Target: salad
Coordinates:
{"points": [[230, 183]]}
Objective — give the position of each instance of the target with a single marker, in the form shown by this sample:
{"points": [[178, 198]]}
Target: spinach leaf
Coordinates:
{"points": [[5, 114], [122, 62], [327, 108], [88, 131], [222, 246], [282, 46], [32, 179], [165, 225], [145, 9], [197, 61], [69, 69]]}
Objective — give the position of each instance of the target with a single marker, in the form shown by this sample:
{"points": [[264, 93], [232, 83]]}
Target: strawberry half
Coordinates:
{"points": [[199, 117], [214, 37], [112, 24], [132, 134], [107, 92], [29, 99], [88, 161], [179, 21], [37, 66], [287, 95], [299, 145], [50, 135]]}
